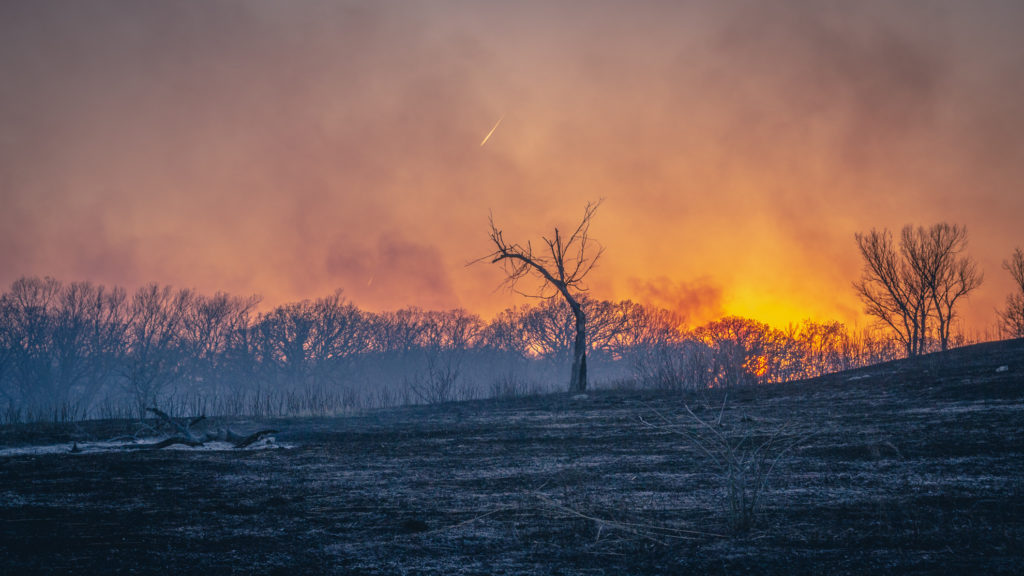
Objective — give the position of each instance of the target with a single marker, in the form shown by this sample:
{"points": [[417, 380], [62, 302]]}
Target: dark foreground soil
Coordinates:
{"points": [[911, 467]]}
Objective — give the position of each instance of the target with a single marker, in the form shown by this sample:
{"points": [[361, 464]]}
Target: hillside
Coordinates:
{"points": [[911, 466]]}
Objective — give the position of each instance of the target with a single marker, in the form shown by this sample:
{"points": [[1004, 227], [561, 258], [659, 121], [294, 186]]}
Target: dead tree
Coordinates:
{"points": [[562, 266], [184, 436]]}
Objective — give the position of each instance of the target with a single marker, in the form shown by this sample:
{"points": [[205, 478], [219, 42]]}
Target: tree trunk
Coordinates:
{"points": [[578, 380], [922, 341], [943, 331]]}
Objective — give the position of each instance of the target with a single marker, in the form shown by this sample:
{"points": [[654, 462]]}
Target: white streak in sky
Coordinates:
{"points": [[488, 137]]}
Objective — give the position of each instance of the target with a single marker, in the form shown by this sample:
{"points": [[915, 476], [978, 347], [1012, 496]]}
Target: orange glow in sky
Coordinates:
{"points": [[292, 148]]}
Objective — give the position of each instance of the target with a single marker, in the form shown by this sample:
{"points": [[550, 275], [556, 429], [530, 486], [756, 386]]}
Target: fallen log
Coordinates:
{"points": [[184, 430], [253, 438], [174, 441], [186, 437]]}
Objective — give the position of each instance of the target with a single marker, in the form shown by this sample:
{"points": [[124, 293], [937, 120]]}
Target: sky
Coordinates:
{"points": [[289, 149]]}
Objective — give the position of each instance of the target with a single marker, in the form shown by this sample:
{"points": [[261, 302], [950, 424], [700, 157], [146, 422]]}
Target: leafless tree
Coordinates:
{"points": [[60, 345], [935, 257], [742, 351], [891, 291], [6, 351], [1012, 318], [155, 354], [821, 346], [507, 332], [924, 279], [870, 346], [562, 266], [88, 335], [339, 334], [397, 332], [302, 345], [550, 330], [29, 305], [451, 330], [645, 325], [655, 343], [608, 324], [214, 330], [444, 341]]}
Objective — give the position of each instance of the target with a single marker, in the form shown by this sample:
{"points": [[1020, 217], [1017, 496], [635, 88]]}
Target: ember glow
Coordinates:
{"points": [[289, 149]]}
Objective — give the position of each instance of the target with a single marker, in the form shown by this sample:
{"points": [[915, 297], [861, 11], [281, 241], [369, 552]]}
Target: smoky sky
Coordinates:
{"points": [[293, 148], [698, 301]]}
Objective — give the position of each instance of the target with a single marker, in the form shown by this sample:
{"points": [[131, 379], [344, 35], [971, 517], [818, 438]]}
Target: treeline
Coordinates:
{"points": [[79, 350]]}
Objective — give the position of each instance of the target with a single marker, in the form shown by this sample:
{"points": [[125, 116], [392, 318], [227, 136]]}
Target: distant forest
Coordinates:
{"points": [[71, 351]]}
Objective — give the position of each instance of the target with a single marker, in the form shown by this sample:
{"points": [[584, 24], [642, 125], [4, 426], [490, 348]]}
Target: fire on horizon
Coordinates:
{"points": [[289, 149]]}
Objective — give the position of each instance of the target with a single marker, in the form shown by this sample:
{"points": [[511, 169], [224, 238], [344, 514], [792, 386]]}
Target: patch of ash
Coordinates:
{"points": [[79, 448], [10, 499], [969, 407]]}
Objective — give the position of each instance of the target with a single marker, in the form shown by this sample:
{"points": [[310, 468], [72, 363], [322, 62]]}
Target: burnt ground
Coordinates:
{"points": [[908, 467]]}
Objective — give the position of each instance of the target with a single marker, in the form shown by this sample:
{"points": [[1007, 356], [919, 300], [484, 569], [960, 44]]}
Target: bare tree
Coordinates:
{"points": [[30, 304], [214, 338], [6, 350], [655, 343], [507, 332], [61, 342], [397, 332], [89, 330], [608, 324], [562, 266], [821, 346], [923, 280], [451, 330], [1012, 318], [550, 330], [741, 350], [304, 344], [934, 256], [444, 341], [155, 352], [891, 291]]}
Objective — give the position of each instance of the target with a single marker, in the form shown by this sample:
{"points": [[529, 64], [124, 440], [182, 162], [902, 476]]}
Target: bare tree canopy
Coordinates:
{"points": [[76, 351], [889, 290], [562, 266], [1012, 317], [915, 289]]}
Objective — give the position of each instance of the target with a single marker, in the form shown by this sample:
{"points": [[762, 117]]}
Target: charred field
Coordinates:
{"points": [[915, 466]]}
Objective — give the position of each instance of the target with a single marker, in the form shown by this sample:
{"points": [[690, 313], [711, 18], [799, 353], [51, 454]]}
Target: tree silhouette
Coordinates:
{"points": [[923, 279], [562, 266], [1013, 316], [934, 255]]}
